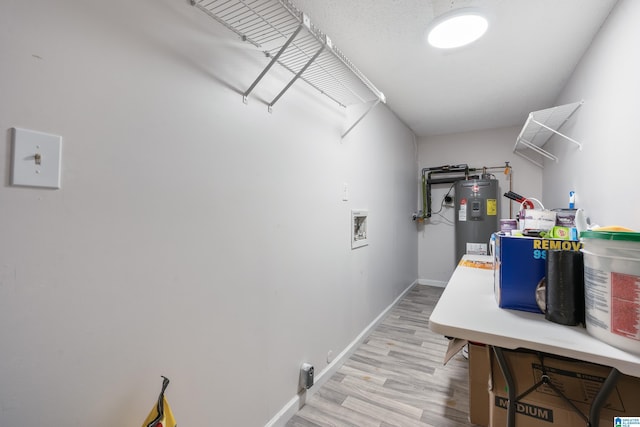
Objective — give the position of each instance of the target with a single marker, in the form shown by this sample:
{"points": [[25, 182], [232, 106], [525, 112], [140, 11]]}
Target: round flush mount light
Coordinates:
{"points": [[457, 28]]}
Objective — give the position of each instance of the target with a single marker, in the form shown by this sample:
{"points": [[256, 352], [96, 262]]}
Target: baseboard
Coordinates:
{"points": [[429, 282], [294, 405]]}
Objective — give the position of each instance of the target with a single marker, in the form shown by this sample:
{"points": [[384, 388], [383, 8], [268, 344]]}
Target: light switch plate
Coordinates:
{"points": [[345, 192], [36, 159]]}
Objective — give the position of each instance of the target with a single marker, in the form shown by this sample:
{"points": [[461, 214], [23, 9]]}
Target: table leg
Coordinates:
{"points": [[594, 412], [511, 387], [601, 397]]}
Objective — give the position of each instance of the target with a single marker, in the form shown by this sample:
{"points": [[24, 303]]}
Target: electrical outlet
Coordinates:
{"points": [[306, 376]]}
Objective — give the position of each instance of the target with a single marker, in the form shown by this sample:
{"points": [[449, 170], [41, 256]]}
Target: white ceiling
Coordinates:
{"points": [[519, 66]]}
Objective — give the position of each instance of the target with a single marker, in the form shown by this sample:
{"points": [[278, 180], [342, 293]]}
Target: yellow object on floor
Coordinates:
{"points": [[161, 415]]}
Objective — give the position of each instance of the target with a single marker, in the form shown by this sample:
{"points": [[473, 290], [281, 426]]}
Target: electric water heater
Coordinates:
{"points": [[476, 216]]}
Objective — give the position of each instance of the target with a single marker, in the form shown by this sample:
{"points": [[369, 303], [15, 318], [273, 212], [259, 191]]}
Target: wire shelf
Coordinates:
{"points": [[287, 36], [540, 127]]}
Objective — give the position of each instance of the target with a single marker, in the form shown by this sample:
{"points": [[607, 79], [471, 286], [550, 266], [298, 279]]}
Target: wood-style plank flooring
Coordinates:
{"points": [[396, 377]]}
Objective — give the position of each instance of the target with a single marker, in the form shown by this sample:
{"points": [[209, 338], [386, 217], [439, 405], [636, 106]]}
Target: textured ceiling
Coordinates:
{"points": [[520, 65]]}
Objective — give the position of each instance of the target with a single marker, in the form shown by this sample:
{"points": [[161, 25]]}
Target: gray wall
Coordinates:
{"points": [[603, 173], [194, 236], [477, 149]]}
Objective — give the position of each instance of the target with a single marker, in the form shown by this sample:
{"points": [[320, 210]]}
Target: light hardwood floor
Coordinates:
{"points": [[396, 377]]}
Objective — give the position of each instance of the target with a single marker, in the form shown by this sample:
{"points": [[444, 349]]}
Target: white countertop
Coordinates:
{"points": [[467, 309]]}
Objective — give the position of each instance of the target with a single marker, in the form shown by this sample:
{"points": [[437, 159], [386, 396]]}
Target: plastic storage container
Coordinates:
{"points": [[612, 287]]}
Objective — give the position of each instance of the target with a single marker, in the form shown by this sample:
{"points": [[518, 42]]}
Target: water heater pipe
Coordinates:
{"points": [[427, 180], [454, 173], [508, 170]]}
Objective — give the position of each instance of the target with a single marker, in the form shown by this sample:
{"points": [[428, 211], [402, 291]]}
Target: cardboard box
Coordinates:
{"points": [[479, 375], [577, 381], [519, 266]]}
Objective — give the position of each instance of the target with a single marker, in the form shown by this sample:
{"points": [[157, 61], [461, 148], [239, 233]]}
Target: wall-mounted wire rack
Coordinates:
{"points": [[542, 125], [287, 37]]}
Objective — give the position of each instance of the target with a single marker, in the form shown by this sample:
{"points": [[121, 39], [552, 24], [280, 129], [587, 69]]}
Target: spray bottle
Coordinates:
{"points": [[572, 199]]}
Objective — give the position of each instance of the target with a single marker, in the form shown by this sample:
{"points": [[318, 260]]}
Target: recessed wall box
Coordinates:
{"points": [[359, 228]]}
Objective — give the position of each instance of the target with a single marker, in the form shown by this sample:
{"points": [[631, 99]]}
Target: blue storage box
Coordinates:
{"points": [[519, 266]]}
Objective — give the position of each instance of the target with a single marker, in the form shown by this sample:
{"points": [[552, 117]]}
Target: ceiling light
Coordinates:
{"points": [[457, 28]]}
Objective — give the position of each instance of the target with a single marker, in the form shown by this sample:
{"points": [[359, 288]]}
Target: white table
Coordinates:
{"points": [[468, 310]]}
